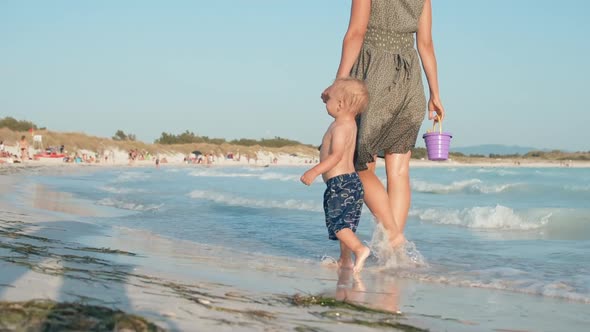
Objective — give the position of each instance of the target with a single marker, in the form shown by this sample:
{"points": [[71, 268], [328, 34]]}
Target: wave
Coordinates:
{"points": [[131, 177], [232, 200], [114, 190], [468, 186], [498, 218], [121, 204], [498, 171], [578, 188], [257, 175], [504, 279]]}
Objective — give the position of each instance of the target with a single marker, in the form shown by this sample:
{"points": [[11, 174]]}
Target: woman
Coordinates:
{"points": [[379, 49]]}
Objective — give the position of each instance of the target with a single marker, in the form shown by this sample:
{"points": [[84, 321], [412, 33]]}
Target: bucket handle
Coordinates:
{"points": [[437, 120]]}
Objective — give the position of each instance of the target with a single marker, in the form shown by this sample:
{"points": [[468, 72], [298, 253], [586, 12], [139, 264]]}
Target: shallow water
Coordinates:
{"points": [[521, 230]]}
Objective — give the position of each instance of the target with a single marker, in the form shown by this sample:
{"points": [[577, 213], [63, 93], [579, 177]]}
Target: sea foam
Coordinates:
{"points": [[486, 217], [233, 200], [476, 186], [131, 206]]}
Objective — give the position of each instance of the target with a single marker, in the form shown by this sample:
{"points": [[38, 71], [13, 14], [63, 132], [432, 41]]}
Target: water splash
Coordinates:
{"points": [[406, 256]]}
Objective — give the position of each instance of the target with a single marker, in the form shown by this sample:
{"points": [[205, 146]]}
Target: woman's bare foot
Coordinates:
{"points": [[361, 256], [397, 241]]}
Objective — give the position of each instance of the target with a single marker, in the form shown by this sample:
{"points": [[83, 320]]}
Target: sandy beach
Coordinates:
{"points": [[264, 159], [49, 250], [180, 286], [160, 166]]}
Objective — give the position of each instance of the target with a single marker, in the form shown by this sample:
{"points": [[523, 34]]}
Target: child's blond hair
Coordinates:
{"points": [[355, 95]]}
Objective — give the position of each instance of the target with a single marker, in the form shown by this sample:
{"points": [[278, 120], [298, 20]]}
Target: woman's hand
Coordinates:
{"points": [[435, 107]]}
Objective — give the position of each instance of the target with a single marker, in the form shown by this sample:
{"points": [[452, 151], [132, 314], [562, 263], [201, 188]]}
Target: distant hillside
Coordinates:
{"points": [[79, 141], [487, 149]]}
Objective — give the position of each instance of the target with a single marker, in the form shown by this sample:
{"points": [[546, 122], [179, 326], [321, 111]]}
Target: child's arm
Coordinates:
{"points": [[337, 147]]}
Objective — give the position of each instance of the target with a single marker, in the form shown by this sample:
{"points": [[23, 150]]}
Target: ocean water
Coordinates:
{"points": [[522, 230]]}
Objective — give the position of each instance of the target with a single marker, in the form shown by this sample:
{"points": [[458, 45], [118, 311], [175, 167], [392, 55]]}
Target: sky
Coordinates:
{"points": [[510, 72]]}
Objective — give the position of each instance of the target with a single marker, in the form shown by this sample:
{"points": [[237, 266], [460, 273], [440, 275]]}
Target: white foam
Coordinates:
{"points": [[121, 204], [114, 190], [280, 177], [516, 281], [485, 217], [268, 176], [131, 176], [470, 186], [498, 171], [578, 188], [232, 200], [406, 257], [216, 173]]}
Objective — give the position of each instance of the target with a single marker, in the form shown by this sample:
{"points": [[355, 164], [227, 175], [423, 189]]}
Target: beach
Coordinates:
{"points": [[196, 247], [178, 285]]}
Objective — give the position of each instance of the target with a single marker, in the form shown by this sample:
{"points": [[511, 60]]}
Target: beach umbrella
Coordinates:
{"points": [[196, 152]]}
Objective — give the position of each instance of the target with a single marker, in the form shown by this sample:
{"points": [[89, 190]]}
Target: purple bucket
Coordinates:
{"points": [[437, 145]]}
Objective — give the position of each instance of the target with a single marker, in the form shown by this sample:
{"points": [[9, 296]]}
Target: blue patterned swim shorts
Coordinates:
{"points": [[343, 202]]}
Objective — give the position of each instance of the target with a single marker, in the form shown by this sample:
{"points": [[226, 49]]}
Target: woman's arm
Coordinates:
{"points": [[353, 40], [426, 51]]}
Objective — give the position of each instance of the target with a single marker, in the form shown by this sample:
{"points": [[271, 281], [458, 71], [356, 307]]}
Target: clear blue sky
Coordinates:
{"points": [[511, 71]]}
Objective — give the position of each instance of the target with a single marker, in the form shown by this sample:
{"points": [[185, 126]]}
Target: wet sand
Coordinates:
{"points": [[50, 249]]}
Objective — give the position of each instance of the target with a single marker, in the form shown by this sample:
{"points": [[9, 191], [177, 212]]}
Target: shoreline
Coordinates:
{"points": [[180, 284], [176, 284], [416, 163]]}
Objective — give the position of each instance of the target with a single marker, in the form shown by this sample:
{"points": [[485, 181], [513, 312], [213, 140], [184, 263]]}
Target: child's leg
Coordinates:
{"points": [[345, 260], [361, 252]]}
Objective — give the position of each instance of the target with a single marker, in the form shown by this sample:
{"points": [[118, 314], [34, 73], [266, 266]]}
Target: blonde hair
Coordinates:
{"points": [[355, 95]]}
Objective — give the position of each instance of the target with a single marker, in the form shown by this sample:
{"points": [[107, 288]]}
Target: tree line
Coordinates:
{"points": [[189, 137], [17, 125]]}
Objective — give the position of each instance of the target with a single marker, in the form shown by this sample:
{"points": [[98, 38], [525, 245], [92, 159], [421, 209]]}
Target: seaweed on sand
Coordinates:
{"points": [[45, 315], [105, 251], [351, 313], [311, 300]]}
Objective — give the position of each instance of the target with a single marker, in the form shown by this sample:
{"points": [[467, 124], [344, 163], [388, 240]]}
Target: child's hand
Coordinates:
{"points": [[308, 177]]}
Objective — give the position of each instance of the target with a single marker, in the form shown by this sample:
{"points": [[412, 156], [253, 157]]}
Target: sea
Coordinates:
{"points": [[520, 230]]}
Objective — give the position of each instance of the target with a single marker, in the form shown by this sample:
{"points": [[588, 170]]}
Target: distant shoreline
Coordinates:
{"points": [[283, 161]]}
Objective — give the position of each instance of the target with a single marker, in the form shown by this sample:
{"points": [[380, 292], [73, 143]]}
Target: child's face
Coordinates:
{"points": [[333, 100]]}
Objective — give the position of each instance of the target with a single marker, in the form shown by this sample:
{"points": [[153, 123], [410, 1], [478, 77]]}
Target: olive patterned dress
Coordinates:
{"points": [[390, 66]]}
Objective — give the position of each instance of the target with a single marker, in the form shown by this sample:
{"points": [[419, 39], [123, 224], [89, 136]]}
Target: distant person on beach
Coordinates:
{"points": [[343, 198], [378, 48], [24, 148]]}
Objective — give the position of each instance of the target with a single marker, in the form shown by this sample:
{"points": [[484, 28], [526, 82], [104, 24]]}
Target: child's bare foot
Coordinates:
{"points": [[345, 263], [361, 256]]}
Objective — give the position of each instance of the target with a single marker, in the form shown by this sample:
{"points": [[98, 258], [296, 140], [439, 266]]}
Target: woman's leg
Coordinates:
{"points": [[377, 201], [397, 167]]}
